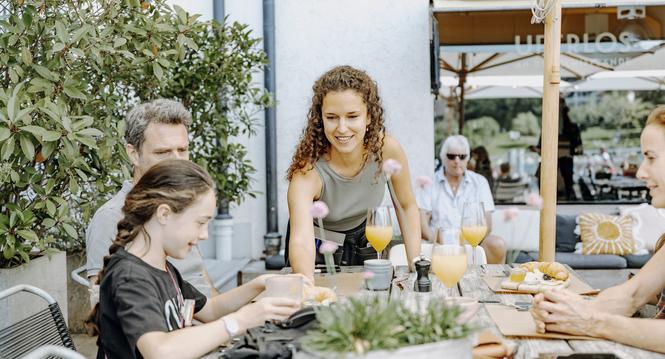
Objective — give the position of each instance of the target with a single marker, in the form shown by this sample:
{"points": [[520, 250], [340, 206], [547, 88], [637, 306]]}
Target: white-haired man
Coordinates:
{"points": [[441, 204]]}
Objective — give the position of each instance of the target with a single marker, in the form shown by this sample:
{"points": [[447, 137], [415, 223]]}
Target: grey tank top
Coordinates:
{"points": [[349, 198]]}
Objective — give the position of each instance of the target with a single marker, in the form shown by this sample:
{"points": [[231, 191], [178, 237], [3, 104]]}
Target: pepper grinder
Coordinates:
{"points": [[423, 283]]}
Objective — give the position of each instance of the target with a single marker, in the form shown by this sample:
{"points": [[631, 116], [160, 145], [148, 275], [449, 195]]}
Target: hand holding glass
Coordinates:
{"points": [[379, 228]]}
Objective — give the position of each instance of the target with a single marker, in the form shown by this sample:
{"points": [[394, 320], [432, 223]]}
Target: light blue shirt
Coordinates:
{"points": [[445, 206]]}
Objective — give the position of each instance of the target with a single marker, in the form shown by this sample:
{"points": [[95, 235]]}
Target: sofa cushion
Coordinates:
{"points": [[603, 234], [637, 260], [580, 261], [648, 225], [565, 232]]}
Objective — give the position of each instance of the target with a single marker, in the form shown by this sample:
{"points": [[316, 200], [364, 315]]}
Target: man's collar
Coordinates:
{"points": [[440, 177]]}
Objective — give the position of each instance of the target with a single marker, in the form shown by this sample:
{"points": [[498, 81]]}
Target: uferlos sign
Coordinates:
{"points": [[605, 42]]}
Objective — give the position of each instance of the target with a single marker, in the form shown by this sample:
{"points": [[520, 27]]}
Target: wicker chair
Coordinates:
{"points": [[46, 327]]}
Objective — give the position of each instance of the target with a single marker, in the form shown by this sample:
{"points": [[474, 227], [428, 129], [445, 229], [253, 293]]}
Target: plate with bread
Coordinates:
{"points": [[537, 277]]}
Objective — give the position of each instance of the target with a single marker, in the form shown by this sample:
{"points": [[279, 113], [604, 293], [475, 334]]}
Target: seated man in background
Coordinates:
{"points": [[156, 131], [441, 204]]}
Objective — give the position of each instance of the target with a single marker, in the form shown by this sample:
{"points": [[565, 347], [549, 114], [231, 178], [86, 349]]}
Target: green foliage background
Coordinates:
{"points": [[71, 69]]}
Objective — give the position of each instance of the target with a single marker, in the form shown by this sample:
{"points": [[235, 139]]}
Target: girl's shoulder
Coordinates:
{"points": [[391, 147]]}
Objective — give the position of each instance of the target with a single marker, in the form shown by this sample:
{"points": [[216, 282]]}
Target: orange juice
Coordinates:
{"points": [[474, 234], [379, 236], [449, 269]]}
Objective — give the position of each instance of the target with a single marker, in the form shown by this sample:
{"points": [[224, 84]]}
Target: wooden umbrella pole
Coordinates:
{"points": [[550, 130]]}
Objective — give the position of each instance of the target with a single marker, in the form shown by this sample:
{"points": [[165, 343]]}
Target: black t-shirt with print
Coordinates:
{"points": [[136, 298]]}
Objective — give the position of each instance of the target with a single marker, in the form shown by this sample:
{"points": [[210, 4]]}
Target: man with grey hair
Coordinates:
{"points": [[441, 204], [156, 130]]}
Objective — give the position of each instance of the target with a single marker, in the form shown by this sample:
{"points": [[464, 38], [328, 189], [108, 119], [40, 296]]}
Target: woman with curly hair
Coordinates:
{"points": [[338, 161]]}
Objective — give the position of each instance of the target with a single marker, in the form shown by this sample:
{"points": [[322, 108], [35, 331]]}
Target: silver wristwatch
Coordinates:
{"points": [[231, 326]]}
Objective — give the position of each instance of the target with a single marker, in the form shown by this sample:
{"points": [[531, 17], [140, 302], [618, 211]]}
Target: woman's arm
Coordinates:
{"points": [[303, 189], [401, 182], [425, 218]]}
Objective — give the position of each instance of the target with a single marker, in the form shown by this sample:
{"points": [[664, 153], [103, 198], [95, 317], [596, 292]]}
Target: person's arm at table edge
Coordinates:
{"points": [[637, 332], [425, 229], [303, 189], [401, 182]]}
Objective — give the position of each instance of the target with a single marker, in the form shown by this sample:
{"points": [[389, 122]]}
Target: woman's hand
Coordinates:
{"points": [[565, 312], [265, 309]]}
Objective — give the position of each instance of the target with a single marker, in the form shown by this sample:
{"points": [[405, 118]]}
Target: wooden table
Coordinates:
{"points": [[473, 286]]}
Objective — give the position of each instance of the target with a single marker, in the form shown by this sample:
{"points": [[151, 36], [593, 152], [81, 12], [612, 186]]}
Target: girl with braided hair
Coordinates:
{"points": [[339, 161], [145, 306]]}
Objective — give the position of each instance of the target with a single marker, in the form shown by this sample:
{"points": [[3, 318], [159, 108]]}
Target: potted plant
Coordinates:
{"points": [[373, 327], [68, 72]]}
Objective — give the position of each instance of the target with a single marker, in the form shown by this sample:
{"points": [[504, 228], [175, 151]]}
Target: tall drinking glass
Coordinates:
{"points": [[474, 225], [449, 264], [379, 228]]}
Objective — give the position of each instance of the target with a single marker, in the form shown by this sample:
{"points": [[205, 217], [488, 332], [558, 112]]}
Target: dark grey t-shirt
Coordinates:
{"points": [[136, 298]]}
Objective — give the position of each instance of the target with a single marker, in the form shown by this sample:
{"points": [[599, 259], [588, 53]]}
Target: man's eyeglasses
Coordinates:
{"points": [[451, 156]]}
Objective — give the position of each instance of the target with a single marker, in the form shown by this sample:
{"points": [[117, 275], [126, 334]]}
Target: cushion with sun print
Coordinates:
{"points": [[603, 234]]}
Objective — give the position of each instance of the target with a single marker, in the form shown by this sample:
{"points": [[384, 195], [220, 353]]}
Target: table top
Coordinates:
{"points": [[471, 285]]}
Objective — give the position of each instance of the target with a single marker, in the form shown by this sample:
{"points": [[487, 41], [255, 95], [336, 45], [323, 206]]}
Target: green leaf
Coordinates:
{"points": [[4, 133], [26, 56], [119, 41], [45, 73], [50, 136], [12, 104], [8, 253], [88, 141], [49, 222], [78, 34], [7, 149], [90, 132], [27, 147], [157, 70], [50, 208], [59, 46], [48, 148], [61, 32], [70, 230], [73, 92], [23, 113], [37, 131], [67, 123], [27, 234]]}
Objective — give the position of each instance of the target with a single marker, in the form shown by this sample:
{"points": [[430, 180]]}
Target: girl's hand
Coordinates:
{"points": [[265, 309]]}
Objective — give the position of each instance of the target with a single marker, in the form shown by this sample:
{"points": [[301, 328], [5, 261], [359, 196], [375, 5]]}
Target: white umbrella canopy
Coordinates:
{"points": [[484, 87], [638, 80]]}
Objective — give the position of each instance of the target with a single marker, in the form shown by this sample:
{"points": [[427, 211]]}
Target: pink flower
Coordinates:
{"points": [[319, 209], [423, 181], [328, 247], [510, 213], [390, 166], [534, 200], [368, 275]]}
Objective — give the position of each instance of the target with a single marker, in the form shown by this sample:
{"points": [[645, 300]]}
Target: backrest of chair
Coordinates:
{"points": [[47, 326], [509, 191]]}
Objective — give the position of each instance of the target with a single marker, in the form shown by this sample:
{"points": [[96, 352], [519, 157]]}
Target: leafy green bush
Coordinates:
{"points": [[70, 70], [368, 323]]}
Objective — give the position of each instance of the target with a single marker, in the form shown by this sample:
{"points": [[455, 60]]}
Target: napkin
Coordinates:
{"points": [[491, 346]]}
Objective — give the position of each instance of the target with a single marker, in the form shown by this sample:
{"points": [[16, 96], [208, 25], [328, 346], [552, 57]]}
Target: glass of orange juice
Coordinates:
{"points": [[379, 228], [449, 264], [474, 225]]}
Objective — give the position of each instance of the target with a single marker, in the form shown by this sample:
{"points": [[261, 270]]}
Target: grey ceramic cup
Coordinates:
{"points": [[382, 274]]}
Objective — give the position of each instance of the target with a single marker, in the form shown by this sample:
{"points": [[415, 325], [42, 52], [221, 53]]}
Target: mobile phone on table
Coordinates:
{"points": [[578, 356], [321, 268]]}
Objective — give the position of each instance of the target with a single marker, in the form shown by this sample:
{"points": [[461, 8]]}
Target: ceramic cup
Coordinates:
{"points": [[382, 274]]}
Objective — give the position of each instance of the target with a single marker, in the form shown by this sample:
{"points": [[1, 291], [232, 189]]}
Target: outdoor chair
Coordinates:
{"points": [[53, 351], [509, 191], [45, 327], [397, 254]]}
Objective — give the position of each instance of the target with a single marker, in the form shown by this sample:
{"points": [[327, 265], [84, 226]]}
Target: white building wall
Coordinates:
{"points": [[387, 38]]}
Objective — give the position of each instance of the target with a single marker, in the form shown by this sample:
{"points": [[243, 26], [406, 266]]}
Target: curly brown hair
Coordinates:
{"points": [[313, 142]]}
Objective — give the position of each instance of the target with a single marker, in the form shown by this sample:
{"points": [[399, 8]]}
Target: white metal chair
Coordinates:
{"points": [[397, 254], [53, 351]]}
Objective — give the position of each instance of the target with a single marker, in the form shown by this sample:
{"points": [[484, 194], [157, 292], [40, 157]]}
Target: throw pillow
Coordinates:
{"points": [[648, 224], [604, 234]]}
